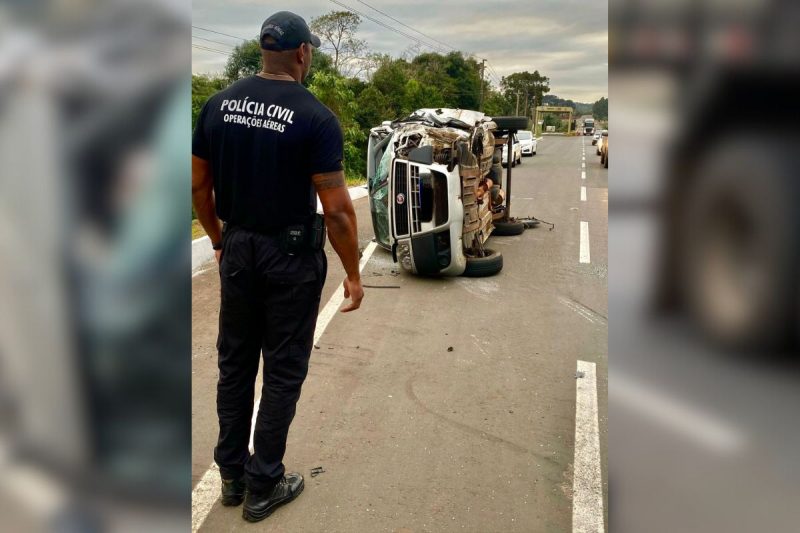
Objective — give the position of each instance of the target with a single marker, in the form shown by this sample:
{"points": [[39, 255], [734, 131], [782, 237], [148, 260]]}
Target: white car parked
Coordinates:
{"points": [[516, 158], [596, 138], [527, 142]]}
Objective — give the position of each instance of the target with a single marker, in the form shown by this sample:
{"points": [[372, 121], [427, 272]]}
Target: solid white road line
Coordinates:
{"points": [[587, 480], [583, 175], [583, 194], [584, 248], [706, 429], [206, 492]]}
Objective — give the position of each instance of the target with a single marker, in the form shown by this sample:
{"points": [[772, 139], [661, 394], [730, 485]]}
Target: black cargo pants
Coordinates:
{"points": [[270, 302]]}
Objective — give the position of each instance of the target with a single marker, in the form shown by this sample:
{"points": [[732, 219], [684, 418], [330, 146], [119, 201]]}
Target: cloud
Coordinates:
{"points": [[566, 40]]}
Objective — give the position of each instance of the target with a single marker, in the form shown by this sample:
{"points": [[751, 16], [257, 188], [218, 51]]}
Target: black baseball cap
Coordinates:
{"points": [[288, 30]]}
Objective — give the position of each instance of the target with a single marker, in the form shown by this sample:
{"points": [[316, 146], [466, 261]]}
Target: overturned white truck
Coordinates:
{"points": [[437, 190]]}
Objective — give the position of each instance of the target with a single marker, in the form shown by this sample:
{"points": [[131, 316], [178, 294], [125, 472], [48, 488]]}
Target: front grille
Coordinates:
{"points": [[416, 198], [400, 198]]}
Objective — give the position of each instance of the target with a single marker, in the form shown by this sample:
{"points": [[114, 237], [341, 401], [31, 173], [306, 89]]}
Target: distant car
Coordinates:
{"points": [[596, 138], [527, 142], [516, 158], [603, 135]]}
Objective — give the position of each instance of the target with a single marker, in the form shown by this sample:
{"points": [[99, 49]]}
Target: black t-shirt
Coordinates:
{"points": [[264, 140]]}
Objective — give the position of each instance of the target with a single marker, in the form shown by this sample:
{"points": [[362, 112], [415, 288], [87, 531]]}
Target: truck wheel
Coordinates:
{"points": [[479, 267], [511, 123], [738, 238], [506, 229]]}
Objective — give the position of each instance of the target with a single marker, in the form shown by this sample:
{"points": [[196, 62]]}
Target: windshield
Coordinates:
{"points": [[524, 135]]}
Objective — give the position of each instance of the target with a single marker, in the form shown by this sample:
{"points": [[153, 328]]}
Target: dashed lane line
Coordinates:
{"points": [[584, 244], [587, 481]]}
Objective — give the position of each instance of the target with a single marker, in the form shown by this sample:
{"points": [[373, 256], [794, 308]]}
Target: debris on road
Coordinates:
{"points": [[449, 348], [317, 470]]}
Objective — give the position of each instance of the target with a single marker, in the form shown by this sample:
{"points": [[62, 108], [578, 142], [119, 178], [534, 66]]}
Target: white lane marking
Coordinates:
{"points": [[583, 165], [708, 430], [204, 496], [584, 249], [583, 194], [587, 480], [206, 492], [583, 174]]}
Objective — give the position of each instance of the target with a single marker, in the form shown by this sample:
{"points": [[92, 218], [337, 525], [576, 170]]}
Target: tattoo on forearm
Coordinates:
{"points": [[330, 180]]}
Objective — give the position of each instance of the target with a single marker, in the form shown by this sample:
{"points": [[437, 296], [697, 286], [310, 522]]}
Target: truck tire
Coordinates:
{"points": [[480, 267], [511, 123], [738, 257], [507, 229]]}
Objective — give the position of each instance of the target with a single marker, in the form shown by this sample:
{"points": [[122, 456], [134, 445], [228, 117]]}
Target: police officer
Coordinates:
{"points": [[261, 150]]}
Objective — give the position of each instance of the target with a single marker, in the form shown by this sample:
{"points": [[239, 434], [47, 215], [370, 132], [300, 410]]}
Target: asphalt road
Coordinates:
{"points": [[414, 436]]}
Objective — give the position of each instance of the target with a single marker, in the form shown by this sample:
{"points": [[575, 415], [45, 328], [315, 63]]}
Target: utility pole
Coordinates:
{"points": [[483, 68]]}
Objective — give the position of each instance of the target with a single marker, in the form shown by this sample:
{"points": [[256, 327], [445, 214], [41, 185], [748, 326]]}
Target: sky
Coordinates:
{"points": [[566, 40]]}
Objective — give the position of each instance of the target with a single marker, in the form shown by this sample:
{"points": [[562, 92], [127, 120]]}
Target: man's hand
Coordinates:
{"points": [[354, 291]]}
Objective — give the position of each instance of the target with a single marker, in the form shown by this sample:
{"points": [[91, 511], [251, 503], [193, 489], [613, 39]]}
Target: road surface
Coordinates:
{"points": [[446, 404]]}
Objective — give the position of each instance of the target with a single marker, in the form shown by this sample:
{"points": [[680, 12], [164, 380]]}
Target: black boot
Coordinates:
{"points": [[258, 506], [233, 491]]}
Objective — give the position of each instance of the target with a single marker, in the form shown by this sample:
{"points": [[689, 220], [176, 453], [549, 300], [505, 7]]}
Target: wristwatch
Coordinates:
{"points": [[217, 245]]}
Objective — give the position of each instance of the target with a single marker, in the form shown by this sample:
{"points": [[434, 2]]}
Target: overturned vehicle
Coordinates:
{"points": [[437, 190]]}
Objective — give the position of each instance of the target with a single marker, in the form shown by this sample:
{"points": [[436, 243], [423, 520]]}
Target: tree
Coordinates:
{"points": [[534, 85], [334, 91], [390, 79], [454, 77], [337, 31], [371, 106], [203, 87], [600, 109], [245, 60], [495, 104]]}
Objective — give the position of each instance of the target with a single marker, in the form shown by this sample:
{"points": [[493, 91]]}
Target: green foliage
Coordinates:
{"points": [[245, 60], [203, 87], [552, 120], [320, 62], [495, 104], [335, 92], [531, 88], [600, 109], [371, 107]]}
